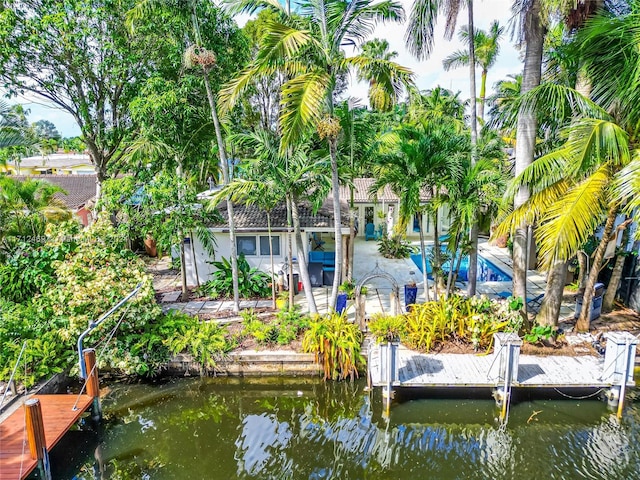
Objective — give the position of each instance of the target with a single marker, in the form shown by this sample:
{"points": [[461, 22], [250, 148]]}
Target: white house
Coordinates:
{"points": [[252, 238], [317, 231], [383, 208]]}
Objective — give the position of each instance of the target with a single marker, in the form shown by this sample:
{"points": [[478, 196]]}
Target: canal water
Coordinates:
{"points": [[229, 428]]}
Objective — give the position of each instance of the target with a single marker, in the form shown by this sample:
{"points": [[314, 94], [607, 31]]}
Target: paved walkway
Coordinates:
{"points": [[379, 290]]}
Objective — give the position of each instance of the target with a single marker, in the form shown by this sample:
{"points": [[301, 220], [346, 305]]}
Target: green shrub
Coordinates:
{"points": [[336, 343], [539, 333], [207, 342], [387, 328], [251, 281], [283, 329], [467, 320], [349, 287], [395, 247]]}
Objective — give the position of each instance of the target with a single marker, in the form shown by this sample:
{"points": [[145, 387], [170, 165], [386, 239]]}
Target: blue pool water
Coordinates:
{"points": [[487, 271]]}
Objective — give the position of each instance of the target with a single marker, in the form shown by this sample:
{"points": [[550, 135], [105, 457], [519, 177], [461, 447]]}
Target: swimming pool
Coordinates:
{"points": [[487, 271]]}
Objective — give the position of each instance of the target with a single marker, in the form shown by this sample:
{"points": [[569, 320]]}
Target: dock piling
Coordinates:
{"points": [[505, 369], [35, 436], [619, 360], [93, 384], [389, 372]]}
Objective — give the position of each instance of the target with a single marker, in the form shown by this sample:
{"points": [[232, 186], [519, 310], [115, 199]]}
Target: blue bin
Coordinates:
{"points": [[341, 302], [410, 295]]}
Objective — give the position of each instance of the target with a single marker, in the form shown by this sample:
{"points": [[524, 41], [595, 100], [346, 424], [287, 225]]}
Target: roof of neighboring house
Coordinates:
{"points": [[251, 218], [80, 188], [55, 160], [362, 186]]}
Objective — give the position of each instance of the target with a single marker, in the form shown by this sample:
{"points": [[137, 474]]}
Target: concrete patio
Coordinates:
{"points": [[367, 259]]}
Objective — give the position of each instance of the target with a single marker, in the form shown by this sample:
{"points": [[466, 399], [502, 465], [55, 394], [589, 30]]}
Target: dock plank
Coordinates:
{"points": [[58, 416], [468, 370]]}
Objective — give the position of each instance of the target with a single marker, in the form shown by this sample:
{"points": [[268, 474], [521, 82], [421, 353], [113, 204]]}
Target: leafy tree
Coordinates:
{"points": [[307, 46], [46, 130], [487, 47], [79, 56]]}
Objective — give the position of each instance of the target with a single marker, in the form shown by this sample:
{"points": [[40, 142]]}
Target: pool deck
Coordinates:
{"points": [[367, 258]]}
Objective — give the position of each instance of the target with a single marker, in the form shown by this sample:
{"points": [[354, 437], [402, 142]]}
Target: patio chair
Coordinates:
{"points": [[316, 242], [370, 232]]}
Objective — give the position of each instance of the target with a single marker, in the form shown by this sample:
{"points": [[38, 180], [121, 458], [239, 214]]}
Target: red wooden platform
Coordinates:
{"points": [[58, 416]]}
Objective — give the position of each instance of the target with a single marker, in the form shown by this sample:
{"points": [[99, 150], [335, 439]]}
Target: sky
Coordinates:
{"points": [[428, 73]]}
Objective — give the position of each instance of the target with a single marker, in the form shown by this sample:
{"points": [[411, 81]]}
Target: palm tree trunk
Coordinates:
{"points": [[450, 280], [584, 322], [352, 231], [614, 283], [526, 140], [290, 256], [183, 272], [273, 280], [224, 166], [302, 261], [483, 94], [583, 258], [195, 262], [436, 253], [473, 234], [550, 308], [335, 185], [423, 253]]}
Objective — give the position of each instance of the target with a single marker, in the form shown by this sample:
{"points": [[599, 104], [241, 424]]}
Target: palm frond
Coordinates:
{"points": [[251, 6], [567, 223], [459, 58], [302, 104], [420, 28]]}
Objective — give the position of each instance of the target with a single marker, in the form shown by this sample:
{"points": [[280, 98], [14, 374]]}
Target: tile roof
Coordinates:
{"points": [[361, 192], [80, 188], [55, 160], [250, 217]]}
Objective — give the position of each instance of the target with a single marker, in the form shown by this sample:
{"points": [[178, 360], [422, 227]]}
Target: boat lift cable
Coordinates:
{"points": [[92, 325]]}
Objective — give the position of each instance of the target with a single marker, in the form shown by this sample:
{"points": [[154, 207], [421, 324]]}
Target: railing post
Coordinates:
{"points": [[93, 384], [35, 436]]}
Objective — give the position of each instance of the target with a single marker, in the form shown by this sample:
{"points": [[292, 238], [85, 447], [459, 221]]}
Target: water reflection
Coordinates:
{"points": [[305, 429]]}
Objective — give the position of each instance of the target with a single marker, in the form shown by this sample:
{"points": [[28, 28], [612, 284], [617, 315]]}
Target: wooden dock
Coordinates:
{"points": [[59, 415], [455, 370]]}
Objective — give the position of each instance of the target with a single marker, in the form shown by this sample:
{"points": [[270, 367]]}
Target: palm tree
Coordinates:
{"points": [[274, 176], [377, 49], [414, 159], [419, 39], [308, 46], [487, 48], [25, 208], [198, 56]]}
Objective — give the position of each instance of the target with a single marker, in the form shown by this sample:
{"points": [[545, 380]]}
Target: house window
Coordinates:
{"points": [[246, 245], [264, 245]]}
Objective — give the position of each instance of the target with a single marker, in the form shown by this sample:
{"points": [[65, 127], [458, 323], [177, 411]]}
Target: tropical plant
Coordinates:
{"points": [[395, 246], [25, 208], [349, 287], [336, 343], [539, 333], [470, 320], [377, 49], [487, 48], [206, 342], [387, 328], [416, 158], [317, 32], [252, 282]]}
